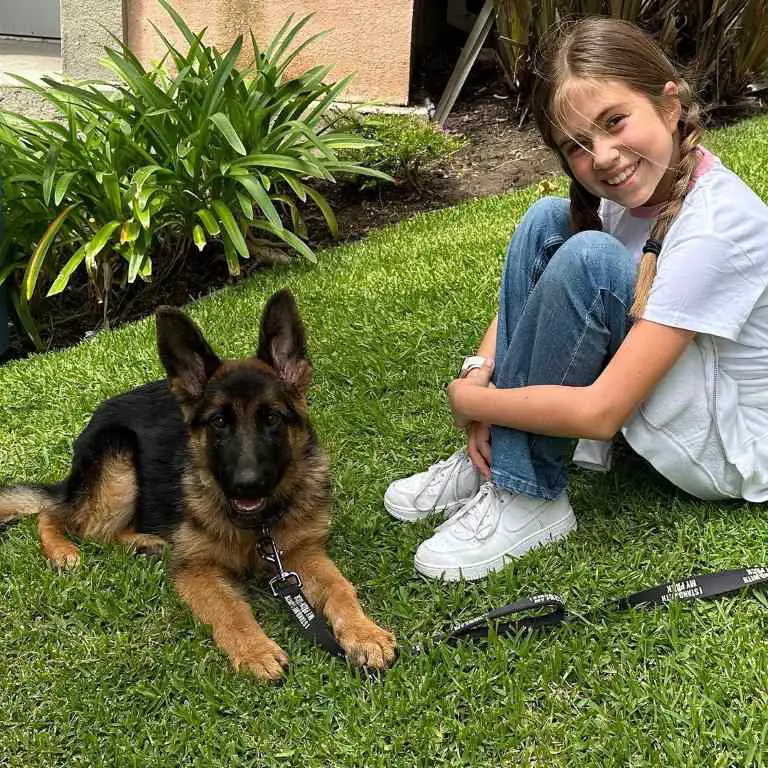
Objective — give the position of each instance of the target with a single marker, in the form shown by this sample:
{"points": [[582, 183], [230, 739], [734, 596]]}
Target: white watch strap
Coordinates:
{"points": [[470, 363]]}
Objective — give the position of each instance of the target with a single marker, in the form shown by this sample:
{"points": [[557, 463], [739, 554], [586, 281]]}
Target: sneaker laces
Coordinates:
{"points": [[479, 517], [439, 475]]}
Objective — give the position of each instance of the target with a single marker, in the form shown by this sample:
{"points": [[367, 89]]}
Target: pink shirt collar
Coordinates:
{"points": [[706, 161]]}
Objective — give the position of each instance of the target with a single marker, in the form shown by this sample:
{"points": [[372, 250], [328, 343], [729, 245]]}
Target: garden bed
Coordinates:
{"points": [[496, 158]]}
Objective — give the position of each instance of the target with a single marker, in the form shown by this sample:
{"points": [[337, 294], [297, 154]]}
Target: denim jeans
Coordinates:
{"points": [[563, 308]]}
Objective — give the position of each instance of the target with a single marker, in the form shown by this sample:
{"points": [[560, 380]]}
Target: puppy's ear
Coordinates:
{"points": [[186, 356], [282, 341]]}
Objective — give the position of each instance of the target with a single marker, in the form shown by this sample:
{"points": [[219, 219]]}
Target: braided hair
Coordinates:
{"points": [[595, 49]]}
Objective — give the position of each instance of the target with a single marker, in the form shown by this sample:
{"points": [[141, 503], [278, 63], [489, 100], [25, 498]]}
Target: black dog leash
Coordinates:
{"points": [[548, 610], [287, 585]]}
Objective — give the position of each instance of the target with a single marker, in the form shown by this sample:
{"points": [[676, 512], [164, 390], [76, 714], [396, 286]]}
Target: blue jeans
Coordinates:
{"points": [[563, 308]]}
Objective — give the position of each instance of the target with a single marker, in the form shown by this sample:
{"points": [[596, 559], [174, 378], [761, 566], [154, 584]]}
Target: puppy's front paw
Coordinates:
{"points": [[63, 556], [367, 644], [261, 657]]}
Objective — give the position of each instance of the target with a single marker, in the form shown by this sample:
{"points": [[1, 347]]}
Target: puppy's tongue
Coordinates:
{"points": [[247, 504]]}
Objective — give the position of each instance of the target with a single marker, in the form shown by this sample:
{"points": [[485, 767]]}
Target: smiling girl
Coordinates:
{"points": [[640, 305]]}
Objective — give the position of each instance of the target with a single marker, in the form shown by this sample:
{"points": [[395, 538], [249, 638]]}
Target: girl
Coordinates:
{"points": [[672, 351]]}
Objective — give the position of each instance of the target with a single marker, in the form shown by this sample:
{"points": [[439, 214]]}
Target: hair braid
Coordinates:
{"points": [[584, 207], [690, 132]]}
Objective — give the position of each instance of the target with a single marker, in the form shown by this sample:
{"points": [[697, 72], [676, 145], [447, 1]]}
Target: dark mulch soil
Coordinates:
{"points": [[497, 157]]}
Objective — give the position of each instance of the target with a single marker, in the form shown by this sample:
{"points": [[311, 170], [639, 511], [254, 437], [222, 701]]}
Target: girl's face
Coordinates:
{"points": [[617, 144]]}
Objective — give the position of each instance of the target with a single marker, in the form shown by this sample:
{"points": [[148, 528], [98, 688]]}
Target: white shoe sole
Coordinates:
{"points": [[553, 532], [410, 515]]}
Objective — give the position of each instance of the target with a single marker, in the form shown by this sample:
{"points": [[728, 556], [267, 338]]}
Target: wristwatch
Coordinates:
{"points": [[470, 363]]}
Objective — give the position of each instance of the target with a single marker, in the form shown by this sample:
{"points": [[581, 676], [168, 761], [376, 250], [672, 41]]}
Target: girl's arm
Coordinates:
{"points": [[596, 411], [478, 434], [487, 346]]}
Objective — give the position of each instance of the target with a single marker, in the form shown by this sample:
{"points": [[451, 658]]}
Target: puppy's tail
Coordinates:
{"points": [[19, 501]]}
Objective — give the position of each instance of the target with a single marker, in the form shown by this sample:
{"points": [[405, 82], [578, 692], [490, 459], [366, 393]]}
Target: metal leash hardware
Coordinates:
{"points": [[287, 586], [288, 580]]}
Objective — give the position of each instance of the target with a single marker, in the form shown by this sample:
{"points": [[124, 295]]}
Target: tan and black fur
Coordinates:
{"points": [[202, 461]]}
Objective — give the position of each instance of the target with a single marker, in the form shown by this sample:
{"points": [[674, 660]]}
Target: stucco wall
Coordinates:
{"points": [[85, 31], [371, 39]]}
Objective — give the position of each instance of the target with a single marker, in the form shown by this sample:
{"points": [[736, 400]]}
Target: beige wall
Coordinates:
{"points": [[371, 39]]}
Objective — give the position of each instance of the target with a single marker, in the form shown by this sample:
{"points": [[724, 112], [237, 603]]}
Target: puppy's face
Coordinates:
{"points": [[247, 418], [252, 426]]}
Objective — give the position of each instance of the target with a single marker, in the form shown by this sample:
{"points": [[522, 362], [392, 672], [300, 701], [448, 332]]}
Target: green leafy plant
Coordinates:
{"points": [[402, 146], [168, 160], [723, 43]]}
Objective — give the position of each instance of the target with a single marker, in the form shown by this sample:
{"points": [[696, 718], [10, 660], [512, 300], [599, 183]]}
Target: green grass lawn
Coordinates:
{"points": [[106, 667]]}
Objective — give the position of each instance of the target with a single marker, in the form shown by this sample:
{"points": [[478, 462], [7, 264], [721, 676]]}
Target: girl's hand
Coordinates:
{"points": [[480, 377], [479, 447]]}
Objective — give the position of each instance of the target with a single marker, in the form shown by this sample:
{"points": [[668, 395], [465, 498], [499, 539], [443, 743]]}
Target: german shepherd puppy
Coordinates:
{"points": [[202, 461]]}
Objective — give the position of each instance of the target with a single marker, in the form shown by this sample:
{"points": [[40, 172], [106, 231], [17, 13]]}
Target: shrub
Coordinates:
{"points": [[165, 161], [401, 145]]}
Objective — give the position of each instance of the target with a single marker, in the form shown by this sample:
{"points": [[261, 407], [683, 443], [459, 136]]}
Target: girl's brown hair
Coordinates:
{"points": [[605, 49]]}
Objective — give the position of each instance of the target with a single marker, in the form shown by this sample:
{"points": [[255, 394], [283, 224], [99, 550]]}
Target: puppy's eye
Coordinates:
{"points": [[272, 418], [218, 421]]}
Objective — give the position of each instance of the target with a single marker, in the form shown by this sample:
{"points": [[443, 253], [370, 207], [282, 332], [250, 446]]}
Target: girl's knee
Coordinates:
{"points": [[592, 248], [595, 254], [549, 212], [545, 226]]}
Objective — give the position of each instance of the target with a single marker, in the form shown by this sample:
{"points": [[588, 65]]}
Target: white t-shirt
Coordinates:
{"points": [[705, 426]]}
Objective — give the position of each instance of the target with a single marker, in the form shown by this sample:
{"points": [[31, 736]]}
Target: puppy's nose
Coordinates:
{"points": [[248, 482]]}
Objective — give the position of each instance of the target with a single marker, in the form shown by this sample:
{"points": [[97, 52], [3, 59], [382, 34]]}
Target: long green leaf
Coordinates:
{"points": [[287, 237], [260, 195], [209, 221], [282, 162], [230, 227], [322, 104], [275, 52], [62, 279], [178, 21], [97, 243], [49, 174], [299, 189], [227, 130], [140, 177], [285, 63], [134, 264], [276, 40], [112, 189], [326, 210], [144, 195], [141, 214], [21, 307], [359, 170], [230, 254], [348, 141], [198, 236], [93, 100], [38, 256], [130, 231], [216, 85], [246, 205], [62, 185]]}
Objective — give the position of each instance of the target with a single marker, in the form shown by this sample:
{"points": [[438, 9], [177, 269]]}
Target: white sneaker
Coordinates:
{"points": [[444, 487], [491, 528]]}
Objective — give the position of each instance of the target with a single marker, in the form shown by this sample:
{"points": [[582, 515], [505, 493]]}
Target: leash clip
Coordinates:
{"points": [[285, 581]]}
